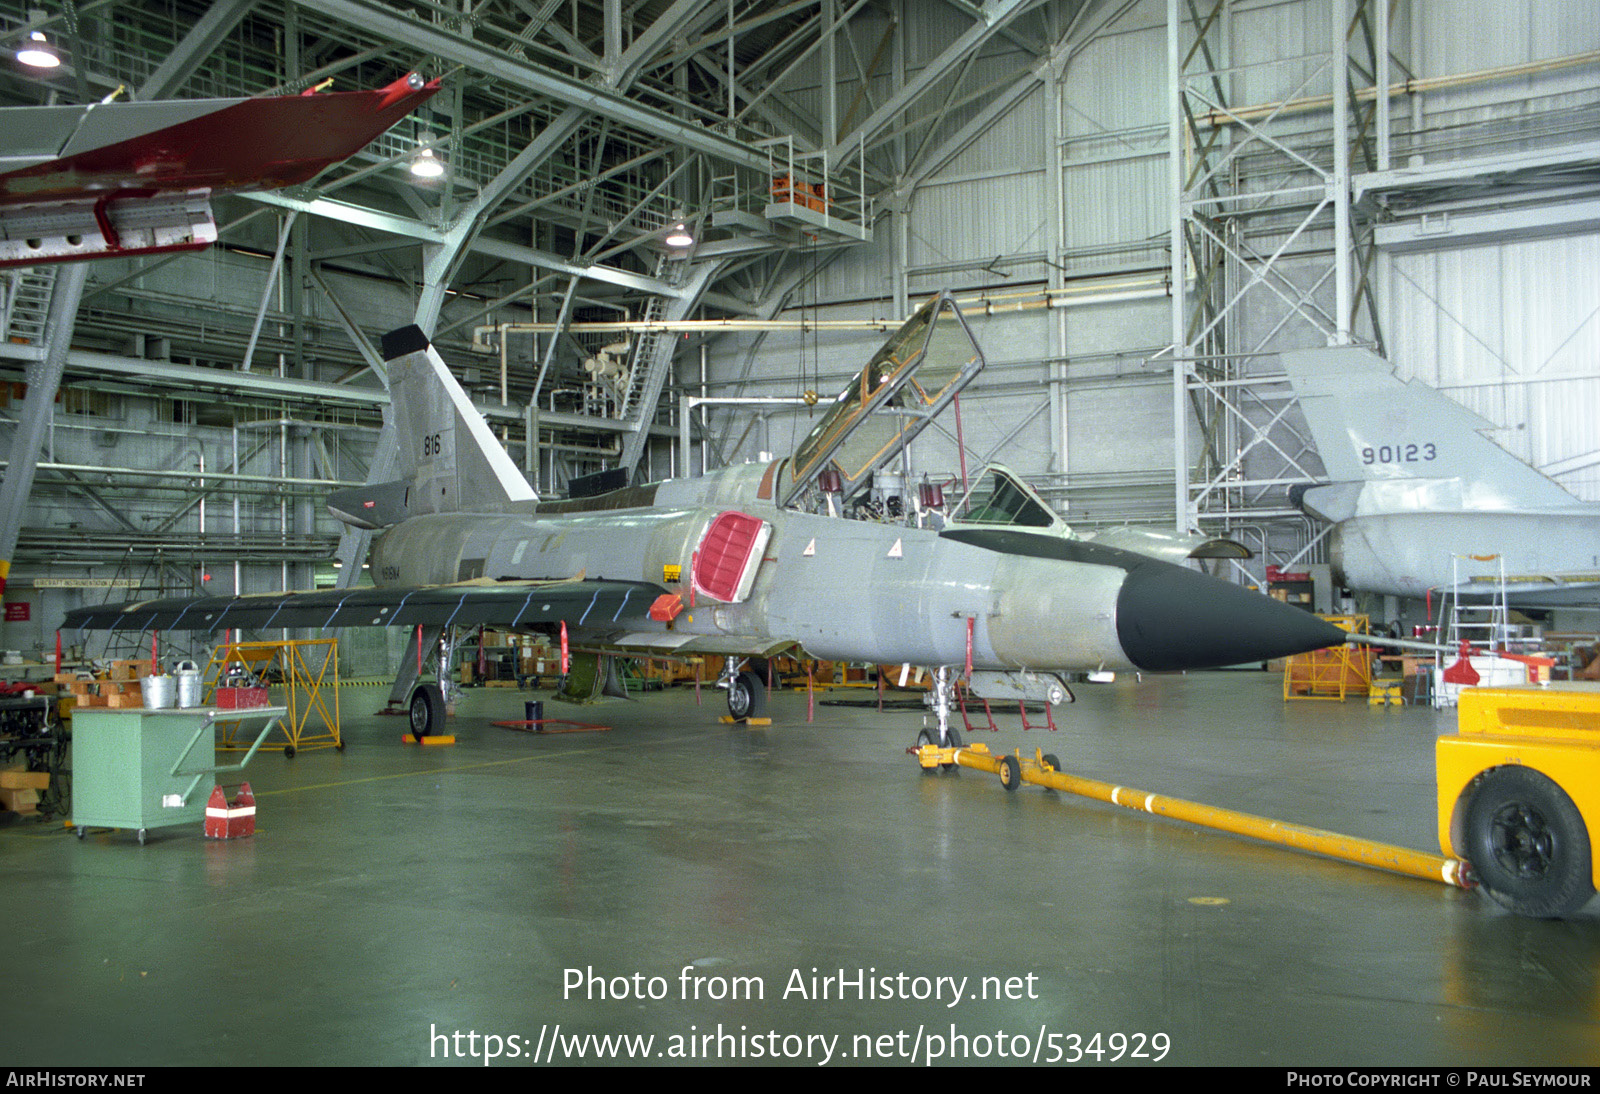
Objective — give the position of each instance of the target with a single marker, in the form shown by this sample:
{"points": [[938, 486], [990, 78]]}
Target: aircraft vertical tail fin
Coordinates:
{"points": [[1392, 446], [447, 452]]}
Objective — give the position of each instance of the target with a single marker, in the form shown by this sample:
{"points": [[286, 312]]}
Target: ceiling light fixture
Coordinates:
{"points": [[37, 52], [679, 236], [425, 165]]}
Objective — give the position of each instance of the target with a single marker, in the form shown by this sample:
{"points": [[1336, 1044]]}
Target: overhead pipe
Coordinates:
{"points": [[1413, 86], [987, 304]]}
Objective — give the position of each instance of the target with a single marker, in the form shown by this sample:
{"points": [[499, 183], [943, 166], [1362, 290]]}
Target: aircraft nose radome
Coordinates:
{"points": [[1172, 618]]}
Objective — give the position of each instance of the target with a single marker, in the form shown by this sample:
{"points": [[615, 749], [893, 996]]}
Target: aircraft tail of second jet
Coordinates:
{"points": [[1396, 446], [446, 451]]}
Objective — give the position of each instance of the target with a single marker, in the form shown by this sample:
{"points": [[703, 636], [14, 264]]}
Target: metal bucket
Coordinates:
{"points": [[188, 676], [158, 692]]}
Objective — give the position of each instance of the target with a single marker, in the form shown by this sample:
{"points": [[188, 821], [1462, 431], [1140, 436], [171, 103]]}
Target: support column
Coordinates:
{"points": [[1055, 199], [1181, 349], [1339, 184], [44, 379]]}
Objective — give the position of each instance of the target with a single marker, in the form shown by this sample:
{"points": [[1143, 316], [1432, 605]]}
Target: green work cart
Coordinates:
{"points": [[142, 769]]}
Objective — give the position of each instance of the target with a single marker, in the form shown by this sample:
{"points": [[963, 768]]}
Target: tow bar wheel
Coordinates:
{"points": [[1528, 844]]}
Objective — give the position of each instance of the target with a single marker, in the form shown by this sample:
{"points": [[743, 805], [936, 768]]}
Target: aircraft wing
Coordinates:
{"points": [[1537, 592], [498, 603], [121, 178]]}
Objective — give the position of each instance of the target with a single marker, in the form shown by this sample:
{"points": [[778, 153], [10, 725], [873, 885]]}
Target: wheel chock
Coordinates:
{"points": [[442, 739], [231, 819], [730, 720]]}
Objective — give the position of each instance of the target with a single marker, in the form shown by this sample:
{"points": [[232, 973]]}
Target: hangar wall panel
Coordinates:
{"points": [[1513, 332]]}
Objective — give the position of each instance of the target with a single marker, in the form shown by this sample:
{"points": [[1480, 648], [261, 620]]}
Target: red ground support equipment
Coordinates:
{"points": [[231, 820]]}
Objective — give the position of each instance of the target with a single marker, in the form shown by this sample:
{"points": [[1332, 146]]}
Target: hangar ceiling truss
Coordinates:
{"points": [[576, 134]]}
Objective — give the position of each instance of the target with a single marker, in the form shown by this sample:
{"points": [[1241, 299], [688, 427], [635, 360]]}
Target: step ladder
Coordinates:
{"points": [[1486, 625], [648, 363], [25, 310]]}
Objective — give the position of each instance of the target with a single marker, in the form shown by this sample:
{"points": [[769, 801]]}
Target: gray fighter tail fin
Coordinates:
{"points": [[1395, 446], [447, 453]]}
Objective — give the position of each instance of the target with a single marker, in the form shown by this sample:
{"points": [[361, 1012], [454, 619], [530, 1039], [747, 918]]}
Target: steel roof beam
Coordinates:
{"points": [[528, 76], [423, 233], [682, 16], [163, 375], [993, 17]]}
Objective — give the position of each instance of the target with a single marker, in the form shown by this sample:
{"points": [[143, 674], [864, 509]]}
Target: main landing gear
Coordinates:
{"points": [[426, 712]]}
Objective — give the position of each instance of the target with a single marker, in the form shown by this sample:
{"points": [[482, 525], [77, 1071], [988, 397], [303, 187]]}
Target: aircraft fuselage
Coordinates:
{"points": [[862, 591], [1409, 554], [847, 590]]}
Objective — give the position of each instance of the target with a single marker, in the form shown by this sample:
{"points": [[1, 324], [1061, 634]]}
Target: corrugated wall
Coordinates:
{"points": [[1512, 331]]}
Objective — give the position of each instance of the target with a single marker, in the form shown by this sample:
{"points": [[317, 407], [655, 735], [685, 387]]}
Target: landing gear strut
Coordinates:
{"points": [[429, 704], [747, 692], [942, 699]]}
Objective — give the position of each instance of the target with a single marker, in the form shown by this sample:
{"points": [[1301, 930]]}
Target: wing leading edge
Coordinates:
{"points": [[498, 603]]}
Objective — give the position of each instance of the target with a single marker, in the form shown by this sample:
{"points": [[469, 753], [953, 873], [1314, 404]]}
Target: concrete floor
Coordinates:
{"points": [[394, 897]]}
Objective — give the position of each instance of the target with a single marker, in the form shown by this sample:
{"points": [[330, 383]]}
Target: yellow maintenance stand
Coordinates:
{"points": [[304, 678], [1519, 793]]}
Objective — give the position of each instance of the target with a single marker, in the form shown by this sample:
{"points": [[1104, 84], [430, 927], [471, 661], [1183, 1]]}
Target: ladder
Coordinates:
{"points": [[648, 360], [25, 310], [1484, 625], [652, 357], [149, 581]]}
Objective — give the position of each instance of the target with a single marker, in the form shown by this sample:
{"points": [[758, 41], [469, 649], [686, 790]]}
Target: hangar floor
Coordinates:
{"points": [[394, 898]]}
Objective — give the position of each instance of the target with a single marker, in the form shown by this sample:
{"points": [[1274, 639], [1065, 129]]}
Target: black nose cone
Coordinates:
{"points": [[1171, 618]]}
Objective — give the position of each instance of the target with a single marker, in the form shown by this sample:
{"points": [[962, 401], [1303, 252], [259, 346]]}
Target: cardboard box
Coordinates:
{"points": [[24, 780], [20, 801]]}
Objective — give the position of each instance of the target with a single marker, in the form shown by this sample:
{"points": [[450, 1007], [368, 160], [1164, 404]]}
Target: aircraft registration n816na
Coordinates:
{"points": [[799, 555]]}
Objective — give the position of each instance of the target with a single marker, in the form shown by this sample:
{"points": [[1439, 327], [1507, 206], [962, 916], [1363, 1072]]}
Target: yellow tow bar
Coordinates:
{"points": [[1041, 770]]}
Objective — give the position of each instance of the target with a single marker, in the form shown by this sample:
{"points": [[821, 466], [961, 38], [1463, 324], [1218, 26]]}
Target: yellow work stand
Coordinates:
{"points": [[1334, 673], [303, 684]]}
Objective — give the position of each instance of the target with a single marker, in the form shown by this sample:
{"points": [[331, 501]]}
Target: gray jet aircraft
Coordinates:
{"points": [[801, 555], [1421, 500]]}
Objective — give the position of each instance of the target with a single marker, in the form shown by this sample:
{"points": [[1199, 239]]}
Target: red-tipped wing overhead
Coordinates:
{"points": [[127, 178]]}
